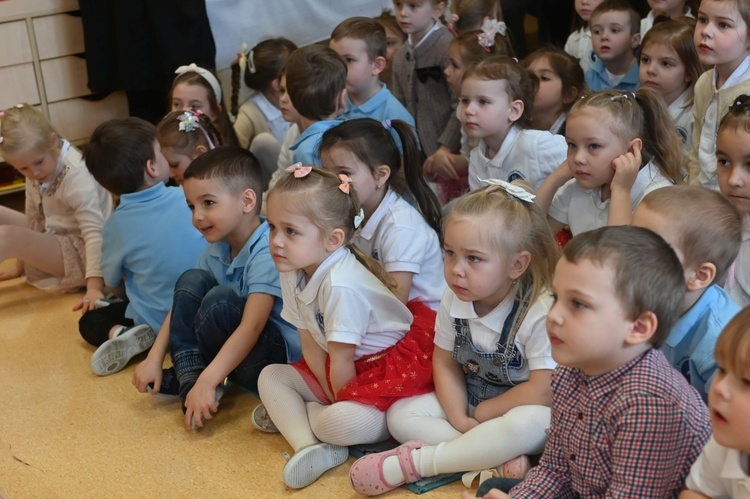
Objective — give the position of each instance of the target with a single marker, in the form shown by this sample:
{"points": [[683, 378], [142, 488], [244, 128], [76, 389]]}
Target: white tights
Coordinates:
{"points": [[305, 420], [490, 444]]}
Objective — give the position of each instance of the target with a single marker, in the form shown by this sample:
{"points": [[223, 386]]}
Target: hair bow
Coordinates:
{"points": [[434, 72], [490, 28], [298, 170], [387, 124], [251, 62], [188, 121], [206, 74], [242, 57], [345, 181], [513, 190], [359, 218]]}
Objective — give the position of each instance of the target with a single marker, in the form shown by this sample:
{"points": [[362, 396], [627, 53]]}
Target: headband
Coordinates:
{"points": [[189, 121], [206, 74]]}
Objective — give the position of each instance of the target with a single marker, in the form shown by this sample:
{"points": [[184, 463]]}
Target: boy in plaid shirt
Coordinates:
{"points": [[624, 422]]}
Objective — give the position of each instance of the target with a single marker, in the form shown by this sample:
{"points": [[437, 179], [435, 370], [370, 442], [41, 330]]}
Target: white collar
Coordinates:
{"points": [[270, 111], [436, 25], [368, 231], [733, 468], [739, 75], [308, 292], [465, 310]]}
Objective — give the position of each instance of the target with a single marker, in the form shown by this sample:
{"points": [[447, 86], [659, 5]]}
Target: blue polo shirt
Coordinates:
{"points": [[252, 271], [305, 150], [381, 106], [148, 242], [596, 78], [690, 345]]}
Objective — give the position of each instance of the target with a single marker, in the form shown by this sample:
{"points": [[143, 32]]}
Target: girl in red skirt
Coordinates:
{"points": [[362, 348]]}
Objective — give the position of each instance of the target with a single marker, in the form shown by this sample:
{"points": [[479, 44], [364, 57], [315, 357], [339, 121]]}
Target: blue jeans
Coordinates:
{"points": [[204, 316], [502, 484]]}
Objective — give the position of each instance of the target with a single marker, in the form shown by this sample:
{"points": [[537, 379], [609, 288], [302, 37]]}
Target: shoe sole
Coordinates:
{"points": [[113, 355], [309, 463], [266, 427]]}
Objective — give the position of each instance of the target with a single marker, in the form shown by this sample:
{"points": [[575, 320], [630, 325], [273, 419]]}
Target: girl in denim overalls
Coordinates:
{"points": [[491, 361]]}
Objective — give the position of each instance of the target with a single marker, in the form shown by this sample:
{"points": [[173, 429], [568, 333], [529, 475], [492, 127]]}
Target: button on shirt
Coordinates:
{"points": [[632, 432]]}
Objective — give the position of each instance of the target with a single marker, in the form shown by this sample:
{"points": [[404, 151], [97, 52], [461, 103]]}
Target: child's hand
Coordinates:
{"points": [[147, 372], [626, 168], [442, 164], [200, 404], [562, 174], [464, 424], [88, 301]]}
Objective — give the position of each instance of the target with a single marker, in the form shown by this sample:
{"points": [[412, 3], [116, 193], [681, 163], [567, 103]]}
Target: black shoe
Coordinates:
{"points": [[170, 385]]}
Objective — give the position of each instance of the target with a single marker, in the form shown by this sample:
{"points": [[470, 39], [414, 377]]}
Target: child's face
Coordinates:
{"points": [[195, 97], [178, 161], [217, 212], [455, 70], [288, 111], [733, 167], [721, 35], [662, 69], [416, 17], [729, 402], [673, 8], [296, 243], [393, 42], [159, 164], [592, 146], [587, 326], [370, 187], [611, 37], [486, 110], [549, 97], [584, 8], [361, 72], [36, 163], [474, 269]]}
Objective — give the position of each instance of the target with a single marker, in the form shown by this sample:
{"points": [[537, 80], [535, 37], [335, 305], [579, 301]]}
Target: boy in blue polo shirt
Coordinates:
{"points": [[226, 314], [615, 34], [314, 84], [148, 242], [706, 233], [361, 42]]}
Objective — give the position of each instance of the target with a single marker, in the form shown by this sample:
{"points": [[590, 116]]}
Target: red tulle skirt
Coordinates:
{"points": [[451, 189], [403, 370]]}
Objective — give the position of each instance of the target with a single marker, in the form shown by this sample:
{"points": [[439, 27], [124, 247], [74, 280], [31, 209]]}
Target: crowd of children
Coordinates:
{"points": [[371, 242]]}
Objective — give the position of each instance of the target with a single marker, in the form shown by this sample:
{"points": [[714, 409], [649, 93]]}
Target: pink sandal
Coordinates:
{"points": [[366, 474]]}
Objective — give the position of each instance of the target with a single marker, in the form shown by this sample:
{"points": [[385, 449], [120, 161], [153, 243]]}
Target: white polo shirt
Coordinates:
{"points": [[399, 237], [579, 45], [530, 155], [344, 302], [584, 210], [720, 472], [682, 117], [531, 338], [739, 286]]}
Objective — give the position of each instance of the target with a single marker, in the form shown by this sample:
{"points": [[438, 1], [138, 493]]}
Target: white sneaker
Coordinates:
{"points": [[306, 466], [113, 355]]}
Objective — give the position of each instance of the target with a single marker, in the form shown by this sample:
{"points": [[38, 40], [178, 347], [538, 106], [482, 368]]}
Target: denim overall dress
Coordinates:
{"points": [[488, 374]]}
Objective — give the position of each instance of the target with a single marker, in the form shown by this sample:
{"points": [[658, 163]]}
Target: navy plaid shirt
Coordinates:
{"points": [[632, 432]]}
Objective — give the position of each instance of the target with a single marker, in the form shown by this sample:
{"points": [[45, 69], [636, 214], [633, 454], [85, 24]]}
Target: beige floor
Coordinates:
{"points": [[65, 432]]}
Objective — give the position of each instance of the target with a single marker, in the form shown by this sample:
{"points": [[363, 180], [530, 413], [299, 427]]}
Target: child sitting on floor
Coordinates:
{"points": [[148, 242]]}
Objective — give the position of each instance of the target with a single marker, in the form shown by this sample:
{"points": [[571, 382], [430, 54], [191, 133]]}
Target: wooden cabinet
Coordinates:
{"points": [[42, 62]]}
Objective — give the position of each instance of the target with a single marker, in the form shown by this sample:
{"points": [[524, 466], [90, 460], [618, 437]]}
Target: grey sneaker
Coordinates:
{"points": [[113, 355], [262, 421]]}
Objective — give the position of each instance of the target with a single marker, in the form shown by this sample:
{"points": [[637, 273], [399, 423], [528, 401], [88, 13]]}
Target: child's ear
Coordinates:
{"points": [[336, 239], [635, 40], [438, 10], [702, 277], [643, 329], [520, 264], [516, 110], [341, 101], [249, 199], [199, 151], [635, 145], [378, 65], [151, 170], [276, 85], [570, 95], [382, 173]]}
